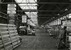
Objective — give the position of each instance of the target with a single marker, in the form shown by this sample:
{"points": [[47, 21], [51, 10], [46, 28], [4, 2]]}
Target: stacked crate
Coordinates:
{"points": [[9, 38], [5, 38], [69, 40], [1, 42], [14, 35], [69, 36]]}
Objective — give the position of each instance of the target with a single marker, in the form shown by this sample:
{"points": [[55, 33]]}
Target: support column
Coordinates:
{"points": [[11, 10], [11, 19]]}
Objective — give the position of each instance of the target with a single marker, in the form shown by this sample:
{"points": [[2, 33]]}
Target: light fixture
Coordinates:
{"points": [[28, 4], [53, 17], [58, 14], [66, 9], [18, 1]]}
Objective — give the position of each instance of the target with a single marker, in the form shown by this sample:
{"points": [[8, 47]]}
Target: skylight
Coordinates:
{"points": [[29, 5], [26, 1]]}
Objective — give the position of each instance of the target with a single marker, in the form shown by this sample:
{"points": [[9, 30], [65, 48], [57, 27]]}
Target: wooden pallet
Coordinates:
{"points": [[8, 47], [9, 38]]}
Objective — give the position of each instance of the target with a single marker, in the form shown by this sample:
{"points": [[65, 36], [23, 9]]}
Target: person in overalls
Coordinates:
{"points": [[62, 44], [64, 35]]}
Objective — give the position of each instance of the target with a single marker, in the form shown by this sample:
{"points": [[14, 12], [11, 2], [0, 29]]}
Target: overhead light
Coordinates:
{"points": [[58, 14], [53, 17], [18, 1], [66, 9]]}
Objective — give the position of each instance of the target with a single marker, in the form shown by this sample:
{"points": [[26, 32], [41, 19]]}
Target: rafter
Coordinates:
{"points": [[40, 7], [50, 11], [47, 14], [35, 10], [53, 3], [44, 17], [36, 2]]}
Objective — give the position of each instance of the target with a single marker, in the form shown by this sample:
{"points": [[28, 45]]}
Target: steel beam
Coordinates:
{"points": [[35, 10], [4, 13], [15, 3], [27, 10], [36, 2], [47, 21], [53, 3], [47, 10], [50, 11], [43, 17], [58, 17], [46, 15]]}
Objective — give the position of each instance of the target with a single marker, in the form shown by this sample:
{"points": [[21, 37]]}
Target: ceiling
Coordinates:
{"points": [[49, 10], [30, 8]]}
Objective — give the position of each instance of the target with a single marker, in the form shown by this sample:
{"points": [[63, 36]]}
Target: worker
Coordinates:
{"points": [[62, 42]]}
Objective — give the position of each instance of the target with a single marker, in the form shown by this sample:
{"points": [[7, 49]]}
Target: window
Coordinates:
{"points": [[69, 15], [26, 1], [29, 5]]}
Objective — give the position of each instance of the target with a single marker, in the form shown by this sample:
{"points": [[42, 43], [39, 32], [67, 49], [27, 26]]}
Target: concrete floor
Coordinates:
{"points": [[42, 41]]}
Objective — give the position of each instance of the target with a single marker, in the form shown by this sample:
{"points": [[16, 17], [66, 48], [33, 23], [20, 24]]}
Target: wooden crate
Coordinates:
{"points": [[14, 43], [8, 37], [0, 41], [7, 43], [12, 31], [17, 44], [11, 25], [6, 40], [70, 46], [1, 45], [9, 47], [13, 34], [4, 36], [14, 39], [69, 34], [4, 33], [2, 49], [3, 28]]}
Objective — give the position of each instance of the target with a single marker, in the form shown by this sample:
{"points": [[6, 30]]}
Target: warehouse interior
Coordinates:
{"points": [[35, 24]]}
